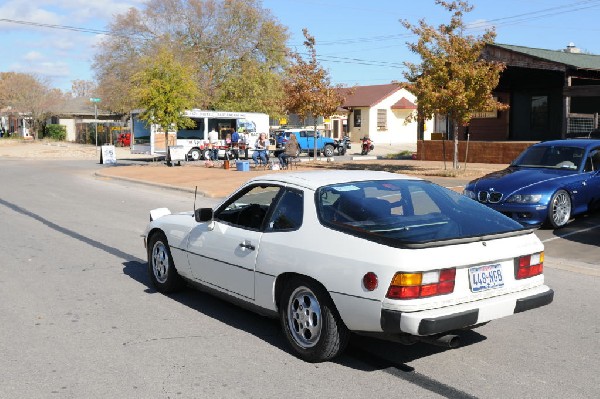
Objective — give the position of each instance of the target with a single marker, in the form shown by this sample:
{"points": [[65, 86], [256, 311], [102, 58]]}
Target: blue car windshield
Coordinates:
{"points": [[404, 212], [555, 157]]}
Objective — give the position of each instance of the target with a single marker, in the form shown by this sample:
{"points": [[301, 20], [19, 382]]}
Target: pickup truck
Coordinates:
{"points": [[325, 145]]}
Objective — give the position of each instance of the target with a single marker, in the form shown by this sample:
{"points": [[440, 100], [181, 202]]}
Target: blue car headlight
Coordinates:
{"points": [[525, 198], [469, 193]]}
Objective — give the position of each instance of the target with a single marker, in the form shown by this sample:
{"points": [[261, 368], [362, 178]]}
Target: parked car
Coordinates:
{"points": [[334, 252], [325, 145], [548, 183]]}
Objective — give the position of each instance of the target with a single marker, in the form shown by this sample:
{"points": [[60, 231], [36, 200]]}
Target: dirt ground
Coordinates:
{"points": [[217, 182], [45, 149]]}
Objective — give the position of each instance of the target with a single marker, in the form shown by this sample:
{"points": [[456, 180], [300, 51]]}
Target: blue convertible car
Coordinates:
{"points": [[548, 183]]}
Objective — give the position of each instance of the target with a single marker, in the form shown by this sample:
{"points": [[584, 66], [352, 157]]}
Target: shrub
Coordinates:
{"points": [[56, 132]]}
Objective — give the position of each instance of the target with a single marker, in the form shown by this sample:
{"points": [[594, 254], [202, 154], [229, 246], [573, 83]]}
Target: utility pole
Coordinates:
{"points": [[95, 101]]}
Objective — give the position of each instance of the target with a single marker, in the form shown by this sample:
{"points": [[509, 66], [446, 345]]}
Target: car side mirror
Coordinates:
{"points": [[203, 214]]}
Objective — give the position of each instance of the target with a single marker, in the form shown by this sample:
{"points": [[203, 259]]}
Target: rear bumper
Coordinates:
{"points": [[436, 321]]}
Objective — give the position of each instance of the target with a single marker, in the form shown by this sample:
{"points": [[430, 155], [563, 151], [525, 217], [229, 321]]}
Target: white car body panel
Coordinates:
{"points": [[216, 257], [210, 253]]}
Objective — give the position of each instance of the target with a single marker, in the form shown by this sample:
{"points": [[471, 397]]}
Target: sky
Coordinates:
{"points": [[359, 42]]}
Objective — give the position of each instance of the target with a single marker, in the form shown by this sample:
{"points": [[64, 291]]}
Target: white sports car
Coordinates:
{"points": [[334, 252]]}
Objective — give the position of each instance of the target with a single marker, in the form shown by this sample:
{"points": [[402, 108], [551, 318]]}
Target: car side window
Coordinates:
{"points": [[288, 212], [248, 209], [592, 163]]}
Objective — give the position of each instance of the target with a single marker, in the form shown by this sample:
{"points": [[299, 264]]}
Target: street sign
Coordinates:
{"points": [[95, 100]]}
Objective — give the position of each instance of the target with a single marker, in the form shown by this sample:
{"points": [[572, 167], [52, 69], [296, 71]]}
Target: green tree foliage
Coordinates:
{"points": [[452, 78], [308, 88], [236, 49], [164, 89], [56, 132]]}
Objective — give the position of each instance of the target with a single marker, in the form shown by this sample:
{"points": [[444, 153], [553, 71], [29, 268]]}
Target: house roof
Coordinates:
{"points": [[368, 96], [404, 103], [577, 60], [78, 106]]}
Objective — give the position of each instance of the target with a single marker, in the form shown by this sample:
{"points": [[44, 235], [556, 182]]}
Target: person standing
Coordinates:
{"points": [[213, 140], [235, 145], [291, 150]]}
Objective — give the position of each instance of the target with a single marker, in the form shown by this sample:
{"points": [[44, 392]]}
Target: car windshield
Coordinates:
{"points": [[556, 157], [405, 212]]}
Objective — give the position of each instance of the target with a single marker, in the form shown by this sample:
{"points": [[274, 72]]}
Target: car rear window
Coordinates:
{"points": [[405, 212]]}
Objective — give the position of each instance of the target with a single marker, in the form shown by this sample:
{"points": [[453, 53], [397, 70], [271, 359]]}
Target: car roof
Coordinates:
{"points": [[584, 143], [316, 179]]}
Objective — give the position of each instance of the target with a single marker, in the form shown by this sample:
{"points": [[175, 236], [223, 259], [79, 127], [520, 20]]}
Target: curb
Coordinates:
{"points": [[161, 185]]}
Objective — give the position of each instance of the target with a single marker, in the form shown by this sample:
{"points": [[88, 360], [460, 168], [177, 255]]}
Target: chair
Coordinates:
{"points": [[360, 209], [293, 162], [376, 208]]}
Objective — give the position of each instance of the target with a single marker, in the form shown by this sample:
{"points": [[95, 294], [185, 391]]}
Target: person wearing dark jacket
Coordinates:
{"points": [[291, 150]]}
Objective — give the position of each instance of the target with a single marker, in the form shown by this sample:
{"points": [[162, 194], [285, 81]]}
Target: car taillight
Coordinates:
{"points": [[422, 285], [529, 266]]}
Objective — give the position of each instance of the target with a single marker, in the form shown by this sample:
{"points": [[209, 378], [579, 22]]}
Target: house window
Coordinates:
{"points": [[357, 118], [539, 113], [382, 119]]}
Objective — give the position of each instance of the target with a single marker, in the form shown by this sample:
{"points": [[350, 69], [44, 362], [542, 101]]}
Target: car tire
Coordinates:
{"points": [[328, 150], [194, 154], [559, 209], [161, 268], [310, 321]]}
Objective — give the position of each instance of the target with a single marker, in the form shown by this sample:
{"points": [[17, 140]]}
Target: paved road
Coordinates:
{"points": [[78, 319]]}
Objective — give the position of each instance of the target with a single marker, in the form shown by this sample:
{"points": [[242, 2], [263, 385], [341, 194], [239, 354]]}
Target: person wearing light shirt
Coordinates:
{"points": [[213, 139], [260, 149]]}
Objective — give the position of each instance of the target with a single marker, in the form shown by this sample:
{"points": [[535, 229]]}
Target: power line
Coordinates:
{"points": [[59, 27], [501, 21], [330, 58]]}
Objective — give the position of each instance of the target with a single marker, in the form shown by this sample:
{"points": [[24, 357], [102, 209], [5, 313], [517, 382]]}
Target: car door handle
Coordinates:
{"points": [[247, 245]]}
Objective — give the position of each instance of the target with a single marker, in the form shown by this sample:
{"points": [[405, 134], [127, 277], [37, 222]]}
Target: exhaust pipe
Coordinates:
{"points": [[446, 341]]}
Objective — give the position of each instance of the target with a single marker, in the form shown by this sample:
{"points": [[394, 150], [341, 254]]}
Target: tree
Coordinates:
{"points": [[236, 49], [82, 88], [164, 89], [452, 78], [29, 96], [308, 88]]}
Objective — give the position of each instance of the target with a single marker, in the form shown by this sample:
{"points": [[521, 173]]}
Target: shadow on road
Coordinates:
{"points": [[363, 353]]}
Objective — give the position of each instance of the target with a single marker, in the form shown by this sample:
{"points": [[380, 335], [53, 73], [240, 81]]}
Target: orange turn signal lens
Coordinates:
{"points": [[406, 279]]}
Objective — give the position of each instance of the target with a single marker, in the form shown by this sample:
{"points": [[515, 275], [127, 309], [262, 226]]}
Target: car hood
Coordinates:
{"points": [[514, 178]]}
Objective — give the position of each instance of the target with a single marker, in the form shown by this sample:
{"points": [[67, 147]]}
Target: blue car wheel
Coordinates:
{"points": [[559, 211]]}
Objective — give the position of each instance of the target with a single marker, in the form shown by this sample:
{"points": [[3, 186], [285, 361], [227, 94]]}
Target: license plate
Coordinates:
{"points": [[483, 278]]}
